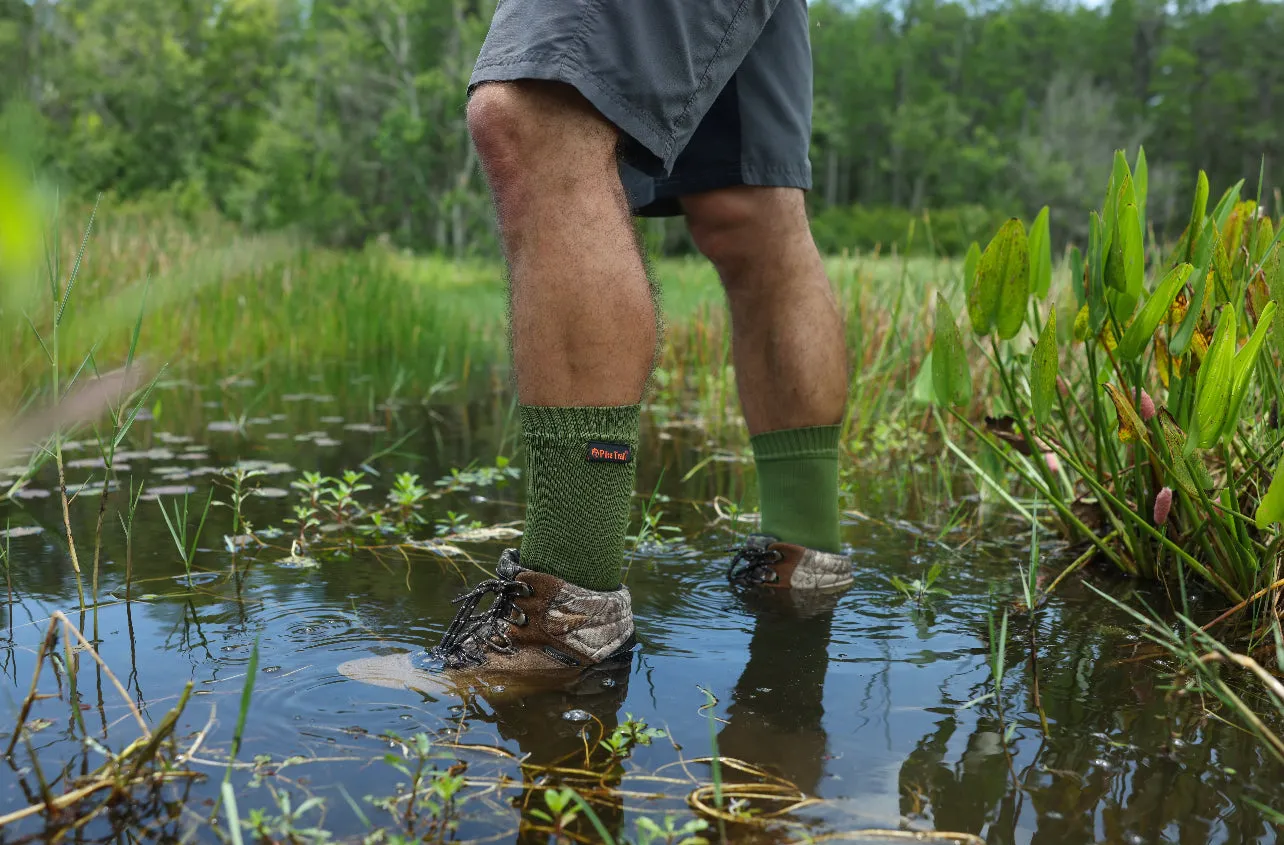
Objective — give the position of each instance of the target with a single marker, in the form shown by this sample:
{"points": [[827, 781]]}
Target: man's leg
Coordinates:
{"points": [[789, 352], [582, 319]]}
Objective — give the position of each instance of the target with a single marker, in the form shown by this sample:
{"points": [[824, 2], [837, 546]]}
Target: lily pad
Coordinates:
{"points": [[167, 490], [20, 531]]}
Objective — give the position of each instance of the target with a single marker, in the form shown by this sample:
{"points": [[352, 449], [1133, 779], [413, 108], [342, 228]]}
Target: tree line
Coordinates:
{"points": [[345, 118]]}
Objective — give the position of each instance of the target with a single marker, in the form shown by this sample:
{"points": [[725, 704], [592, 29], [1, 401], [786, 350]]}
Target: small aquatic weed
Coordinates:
{"points": [[562, 809], [631, 732], [235, 479], [921, 590], [498, 475], [669, 833], [407, 496], [456, 523], [430, 796], [286, 827]]}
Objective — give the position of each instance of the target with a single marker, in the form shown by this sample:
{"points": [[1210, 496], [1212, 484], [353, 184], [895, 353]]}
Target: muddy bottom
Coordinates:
{"points": [[857, 712]]}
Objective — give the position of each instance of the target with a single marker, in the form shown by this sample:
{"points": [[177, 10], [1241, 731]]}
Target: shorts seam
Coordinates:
{"points": [[707, 72], [577, 40]]}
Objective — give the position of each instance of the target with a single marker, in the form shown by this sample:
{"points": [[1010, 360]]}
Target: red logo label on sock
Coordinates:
{"points": [[612, 453]]}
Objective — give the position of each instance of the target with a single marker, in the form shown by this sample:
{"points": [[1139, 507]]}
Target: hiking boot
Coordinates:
{"points": [[537, 623], [539, 632], [765, 561]]}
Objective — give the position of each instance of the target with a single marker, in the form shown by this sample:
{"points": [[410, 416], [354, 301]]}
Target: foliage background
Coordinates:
{"points": [[344, 119]]}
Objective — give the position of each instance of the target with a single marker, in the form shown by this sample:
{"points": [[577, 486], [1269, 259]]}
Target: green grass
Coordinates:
{"points": [[219, 299]]}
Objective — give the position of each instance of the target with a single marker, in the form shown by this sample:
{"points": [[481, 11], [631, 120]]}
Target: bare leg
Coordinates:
{"points": [[787, 333], [583, 320]]}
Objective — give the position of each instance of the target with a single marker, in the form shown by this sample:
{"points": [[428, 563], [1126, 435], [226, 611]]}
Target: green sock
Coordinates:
{"points": [[580, 469], [798, 485]]}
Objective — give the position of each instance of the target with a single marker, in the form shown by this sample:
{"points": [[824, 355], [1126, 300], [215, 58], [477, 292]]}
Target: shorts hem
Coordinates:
{"points": [[668, 190], [614, 106]]}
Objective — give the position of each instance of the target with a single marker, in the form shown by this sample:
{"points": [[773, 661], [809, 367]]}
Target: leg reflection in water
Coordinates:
{"points": [[557, 728], [775, 717]]}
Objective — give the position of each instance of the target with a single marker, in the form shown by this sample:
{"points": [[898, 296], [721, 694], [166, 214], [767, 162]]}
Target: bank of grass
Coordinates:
{"points": [[219, 298]]}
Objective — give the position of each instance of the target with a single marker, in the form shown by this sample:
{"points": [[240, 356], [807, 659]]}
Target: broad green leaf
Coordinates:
{"points": [[1152, 313], [1141, 184], [1114, 275], [1222, 212], [1271, 508], [1077, 280], [1134, 253], [924, 389], [1040, 255], [1130, 425], [1214, 382], [1043, 370], [1225, 280], [1243, 366], [951, 377], [1263, 237], [1096, 274], [997, 299], [1127, 194], [969, 265], [1175, 439], [1197, 213], [1203, 258], [1275, 282]]}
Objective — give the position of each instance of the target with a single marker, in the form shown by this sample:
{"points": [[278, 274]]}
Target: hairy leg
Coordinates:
{"points": [[583, 320], [787, 333]]}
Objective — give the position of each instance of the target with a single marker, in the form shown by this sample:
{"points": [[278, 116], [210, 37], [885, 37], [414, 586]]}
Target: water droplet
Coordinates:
{"points": [[576, 715]]}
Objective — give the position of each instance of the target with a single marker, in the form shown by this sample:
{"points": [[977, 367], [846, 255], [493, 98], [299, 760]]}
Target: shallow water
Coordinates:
{"points": [[867, 703]]}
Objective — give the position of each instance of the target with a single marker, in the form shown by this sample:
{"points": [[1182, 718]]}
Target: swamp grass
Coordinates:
{"points": [[216, 298]]}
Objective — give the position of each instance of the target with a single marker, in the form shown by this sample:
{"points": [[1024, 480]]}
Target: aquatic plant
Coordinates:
{"points": [[1163, 392]]}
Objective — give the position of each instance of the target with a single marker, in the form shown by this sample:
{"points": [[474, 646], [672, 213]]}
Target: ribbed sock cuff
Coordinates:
{"points": [[819, 441], [619, 423]]}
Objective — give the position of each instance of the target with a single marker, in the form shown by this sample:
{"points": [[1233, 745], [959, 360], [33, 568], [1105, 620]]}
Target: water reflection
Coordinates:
{"points": [[776, 713], [857, 699]]}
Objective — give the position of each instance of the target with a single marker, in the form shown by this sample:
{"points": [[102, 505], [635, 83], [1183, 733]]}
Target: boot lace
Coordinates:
{"points": [[752, 564], [470, 634]]}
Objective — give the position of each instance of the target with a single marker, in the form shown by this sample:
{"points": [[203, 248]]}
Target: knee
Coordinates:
{"points": [[738, 228], [520, 127], [502, 124]]}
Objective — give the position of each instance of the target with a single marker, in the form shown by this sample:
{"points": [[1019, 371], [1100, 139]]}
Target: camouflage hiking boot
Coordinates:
{"points": [[536, 624], [764, 561]]}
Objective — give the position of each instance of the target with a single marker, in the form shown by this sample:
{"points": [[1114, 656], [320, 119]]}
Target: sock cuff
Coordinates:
{"points": [[818, 441], [545, 423]]}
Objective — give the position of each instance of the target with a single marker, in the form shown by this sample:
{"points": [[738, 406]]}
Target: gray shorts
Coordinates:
{"points": [[706, 93]]}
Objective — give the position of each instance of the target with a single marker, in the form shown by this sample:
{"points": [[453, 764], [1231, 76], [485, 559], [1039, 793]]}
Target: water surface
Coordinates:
{"points": [[865, 711]]}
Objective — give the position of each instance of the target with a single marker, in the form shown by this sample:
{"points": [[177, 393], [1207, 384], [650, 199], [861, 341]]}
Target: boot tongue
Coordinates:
{"points": [[508, 567]]}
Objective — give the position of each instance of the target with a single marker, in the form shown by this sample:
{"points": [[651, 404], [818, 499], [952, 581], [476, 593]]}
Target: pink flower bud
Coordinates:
{"points": [[1147, 406], [1163, 504], [1053, 464]]}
